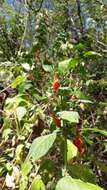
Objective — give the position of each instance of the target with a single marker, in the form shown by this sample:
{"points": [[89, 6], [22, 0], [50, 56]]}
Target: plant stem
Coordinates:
{"points": [[17, 124], [65, 153]]}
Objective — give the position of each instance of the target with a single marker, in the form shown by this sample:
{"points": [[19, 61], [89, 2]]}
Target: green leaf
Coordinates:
{"points": [[68, 183], [65, 88], [37, 184], [41, 146], [1, 171], [73, 63], [8, 8], [80, 95], [21, 112], [71, 116], [6, 133], [83, 172], [91, 53], [9, 167], [47, 68], [95, 130], [15, 101], [17, 81], [71, 150], [26, 167], [63, 66], [80, 46], [18, 153], [23, 182], [47, 165], [85, 101], [102, 166]]}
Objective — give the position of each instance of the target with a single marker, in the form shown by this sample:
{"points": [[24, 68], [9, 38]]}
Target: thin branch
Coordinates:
{"points": [[40, 6], [102, 44], [5, 89], [33, 9]]}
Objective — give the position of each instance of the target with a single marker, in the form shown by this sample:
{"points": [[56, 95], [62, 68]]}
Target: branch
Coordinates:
{"points": [[39, 7], [33, 9], [100, 48], [102, 44], [5, 89]]}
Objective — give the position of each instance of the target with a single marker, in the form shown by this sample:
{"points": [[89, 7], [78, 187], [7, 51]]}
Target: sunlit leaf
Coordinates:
{"points": [[23, 182], [18, 153], [71, 150], [41, 146], [47, 68], [37, 184], [68, 183], [21, 112], [66, 65], [73, 63], [17, 81], [71, 116], [91, 53], [26, 167], [6, 133]]}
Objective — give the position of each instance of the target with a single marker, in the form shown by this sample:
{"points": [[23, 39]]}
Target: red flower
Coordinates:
{"points": [[57, 121], [78, 142], [55, 84]]}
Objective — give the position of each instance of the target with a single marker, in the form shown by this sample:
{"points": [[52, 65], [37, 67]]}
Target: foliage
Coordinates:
{"points": [[53, 89]]}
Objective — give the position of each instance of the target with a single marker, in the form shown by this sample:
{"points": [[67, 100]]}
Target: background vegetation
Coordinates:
{"points": [[53, 94]]}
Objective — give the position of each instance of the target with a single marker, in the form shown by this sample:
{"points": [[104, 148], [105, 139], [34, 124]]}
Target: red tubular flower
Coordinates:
{"points": [[78, 142], [57, 121], [55, 84]]}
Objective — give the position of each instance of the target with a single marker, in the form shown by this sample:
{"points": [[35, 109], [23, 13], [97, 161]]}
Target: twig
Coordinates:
{"points": [[93, 119], [36, 11], [102, 44], [5, 89], [3, 184]]}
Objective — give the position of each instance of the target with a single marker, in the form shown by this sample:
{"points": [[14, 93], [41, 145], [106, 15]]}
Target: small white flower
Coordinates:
{"points": [[12, 180]]}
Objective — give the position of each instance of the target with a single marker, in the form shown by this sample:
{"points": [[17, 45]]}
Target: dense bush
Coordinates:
{"points": [[53, 89]]}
